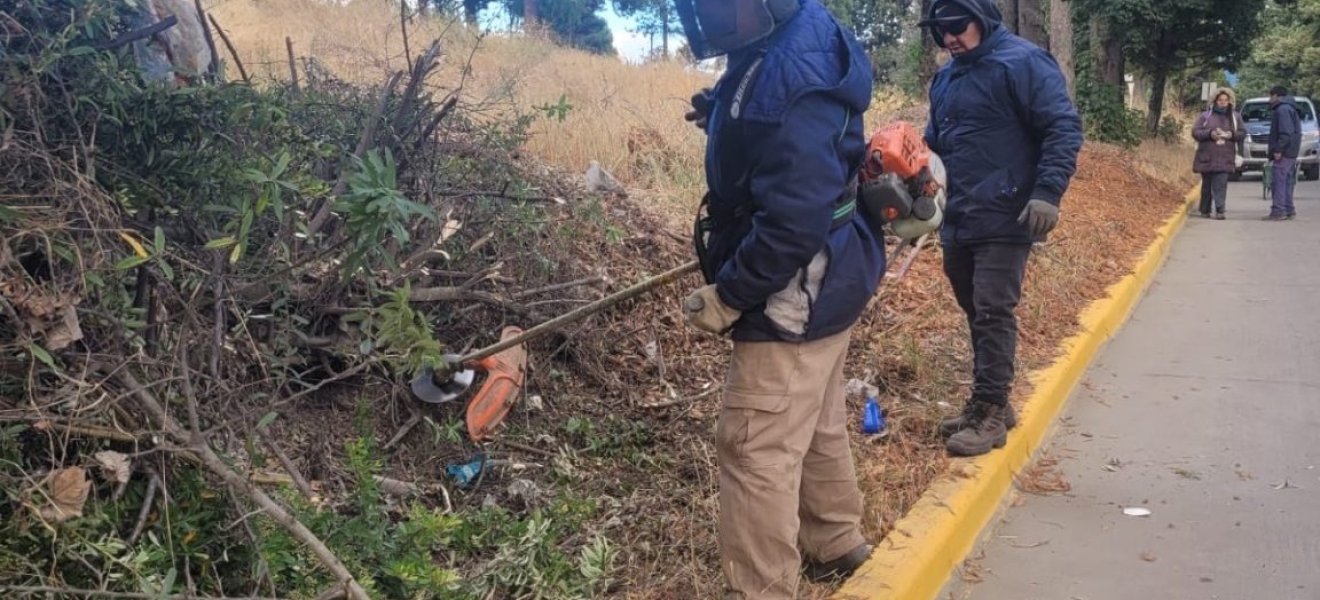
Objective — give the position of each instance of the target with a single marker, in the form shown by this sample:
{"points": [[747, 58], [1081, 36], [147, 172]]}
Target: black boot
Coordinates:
{"points": [[953, 425], [840, 567], [986, 429]]}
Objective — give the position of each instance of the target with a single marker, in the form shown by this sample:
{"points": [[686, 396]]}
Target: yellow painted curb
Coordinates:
{"points": [[917, 558]]}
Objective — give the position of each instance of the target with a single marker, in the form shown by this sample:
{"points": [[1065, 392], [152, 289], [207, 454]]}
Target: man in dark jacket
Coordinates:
{"points": [[1002, 121], [789, 265], [1285, 145]]}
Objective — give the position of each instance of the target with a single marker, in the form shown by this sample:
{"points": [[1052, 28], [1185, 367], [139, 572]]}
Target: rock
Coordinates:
{"points": [[178, 54], [525, 491], [600, 180], [860, 389]]}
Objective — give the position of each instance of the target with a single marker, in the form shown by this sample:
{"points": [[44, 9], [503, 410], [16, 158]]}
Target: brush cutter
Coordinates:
{"points": [[505, 363]]}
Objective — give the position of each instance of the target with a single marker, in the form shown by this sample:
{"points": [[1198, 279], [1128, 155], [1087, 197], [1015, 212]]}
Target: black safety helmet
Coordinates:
{"points": [[716, 27]]}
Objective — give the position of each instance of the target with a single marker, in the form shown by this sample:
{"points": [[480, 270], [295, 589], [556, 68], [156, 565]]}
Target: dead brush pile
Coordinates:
{"points": [[212, 299]]}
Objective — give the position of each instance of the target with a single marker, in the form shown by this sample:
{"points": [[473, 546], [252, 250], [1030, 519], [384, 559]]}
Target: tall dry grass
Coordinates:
{"points": [[626, 116], [614, 106]]}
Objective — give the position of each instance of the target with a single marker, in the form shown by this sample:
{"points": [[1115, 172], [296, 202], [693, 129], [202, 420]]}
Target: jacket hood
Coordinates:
{"points": [[811, 53], [1232, 97], [984, 11]]}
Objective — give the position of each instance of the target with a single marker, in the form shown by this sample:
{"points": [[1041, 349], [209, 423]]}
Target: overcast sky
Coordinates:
{"points": [[631, 46]]}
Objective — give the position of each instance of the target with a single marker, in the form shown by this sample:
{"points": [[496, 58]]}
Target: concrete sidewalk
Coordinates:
{"points": [[1204, 409]]}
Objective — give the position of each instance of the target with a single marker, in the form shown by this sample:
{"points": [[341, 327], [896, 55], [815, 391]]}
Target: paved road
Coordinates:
{"points": [[1204, 409]]}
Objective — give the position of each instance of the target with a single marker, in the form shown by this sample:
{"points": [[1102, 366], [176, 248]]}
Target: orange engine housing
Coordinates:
{"points": [[896, 148], [895, 177]]}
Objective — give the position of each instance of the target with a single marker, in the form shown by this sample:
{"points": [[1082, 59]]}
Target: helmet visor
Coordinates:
{"points": [[716, 27]]}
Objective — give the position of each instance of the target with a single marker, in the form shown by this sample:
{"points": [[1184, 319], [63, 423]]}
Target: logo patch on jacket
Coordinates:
{"points": [[738, 95]]}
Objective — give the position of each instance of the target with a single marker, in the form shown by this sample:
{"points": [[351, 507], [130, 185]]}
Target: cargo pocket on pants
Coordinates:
{"points": [[747, 426]]}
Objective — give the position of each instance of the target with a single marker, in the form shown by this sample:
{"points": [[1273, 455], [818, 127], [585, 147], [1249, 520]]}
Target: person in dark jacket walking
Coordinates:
{"points": [[1285, 144], [1009, 135], [790, 265], [1217, 132]]}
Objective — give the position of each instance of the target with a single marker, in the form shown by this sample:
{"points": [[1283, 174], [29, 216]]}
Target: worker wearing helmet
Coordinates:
{"points": [[1002, 121], [790, 265]]}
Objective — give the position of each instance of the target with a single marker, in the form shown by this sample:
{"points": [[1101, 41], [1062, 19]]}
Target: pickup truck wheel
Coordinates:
{"points": [[1311, 173]]}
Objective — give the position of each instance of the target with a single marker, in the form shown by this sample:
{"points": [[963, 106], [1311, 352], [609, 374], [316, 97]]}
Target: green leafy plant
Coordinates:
{"points": [[1171, 129], [374, 211], [557, 111], [1107, 118], [399, 331]]}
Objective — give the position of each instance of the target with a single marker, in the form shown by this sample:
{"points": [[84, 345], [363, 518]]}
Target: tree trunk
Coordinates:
{"points": [[1107, 48], [664, 28], [929, 50], [1138, 95], [1031, 22], [1061, 42], [1156, 106], [1026, 19], [1009, 8], [531, 16]]}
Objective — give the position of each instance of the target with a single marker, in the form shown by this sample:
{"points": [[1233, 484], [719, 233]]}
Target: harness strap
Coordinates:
{"points": [[844, 214]]}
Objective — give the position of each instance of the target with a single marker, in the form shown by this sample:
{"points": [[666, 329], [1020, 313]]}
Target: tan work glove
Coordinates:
{"points": [[704, 310]]}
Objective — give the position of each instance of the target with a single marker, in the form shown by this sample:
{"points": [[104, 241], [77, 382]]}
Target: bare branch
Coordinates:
{"points": [[403, 431], [42, 423], [242, 72], [368, 138], [217, 465], [146, 509], [140, 34], [298, 480], [210, 40], [558, 286], [293, 64]]}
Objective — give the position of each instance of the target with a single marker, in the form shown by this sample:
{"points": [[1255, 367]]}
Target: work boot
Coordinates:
{"points": [[953, 425], [840, 567], [986, 429]]}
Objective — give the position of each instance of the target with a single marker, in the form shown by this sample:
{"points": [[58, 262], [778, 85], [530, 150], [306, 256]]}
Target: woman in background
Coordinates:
{"points": [[1218, 131]]}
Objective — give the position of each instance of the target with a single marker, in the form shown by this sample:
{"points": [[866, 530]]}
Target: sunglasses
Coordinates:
{"points": [[955, 27]]}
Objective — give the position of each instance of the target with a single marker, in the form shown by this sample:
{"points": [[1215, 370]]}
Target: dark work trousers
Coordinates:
{"points": [[987, 282], [1282, 182], [1214, 189]]}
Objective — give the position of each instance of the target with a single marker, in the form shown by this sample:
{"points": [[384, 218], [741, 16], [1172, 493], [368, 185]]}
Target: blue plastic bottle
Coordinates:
{"points": [[873, 420]]}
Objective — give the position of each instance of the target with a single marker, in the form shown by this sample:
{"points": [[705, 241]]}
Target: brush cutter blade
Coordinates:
{"points": [[437, 387]]}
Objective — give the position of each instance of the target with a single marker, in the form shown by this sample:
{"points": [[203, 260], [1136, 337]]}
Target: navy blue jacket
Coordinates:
{"points": [[1285, 129], [1002, 121], [784, 140]]}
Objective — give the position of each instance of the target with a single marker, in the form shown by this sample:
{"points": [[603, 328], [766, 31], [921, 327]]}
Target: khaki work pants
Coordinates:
{"points": [[786, 470]]}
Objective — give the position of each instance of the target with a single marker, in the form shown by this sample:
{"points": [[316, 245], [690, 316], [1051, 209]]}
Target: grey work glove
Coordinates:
{"points": [[1040, 217], [701, 104]]}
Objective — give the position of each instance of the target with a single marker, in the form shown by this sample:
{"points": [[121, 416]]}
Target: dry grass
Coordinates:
{"points": [[628, 117]]}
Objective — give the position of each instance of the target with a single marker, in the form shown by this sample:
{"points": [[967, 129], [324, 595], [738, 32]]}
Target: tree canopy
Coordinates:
{"points": [[1289, 55], [1162, 38]]}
